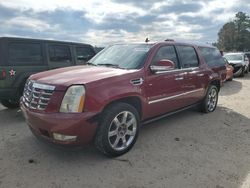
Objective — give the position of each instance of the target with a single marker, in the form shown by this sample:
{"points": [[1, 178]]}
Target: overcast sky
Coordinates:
{"points": [[101, 22]]}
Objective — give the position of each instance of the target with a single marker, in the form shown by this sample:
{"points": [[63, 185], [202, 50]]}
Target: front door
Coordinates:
{"points": [[163, 89]]}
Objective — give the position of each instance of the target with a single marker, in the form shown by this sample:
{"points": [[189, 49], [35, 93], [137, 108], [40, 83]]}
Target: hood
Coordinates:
{"points": [[78, 75], [236, 62]]}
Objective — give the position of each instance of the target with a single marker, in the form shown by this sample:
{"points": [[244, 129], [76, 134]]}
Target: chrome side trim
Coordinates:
{"points": [[178, 70], [174, 96]]}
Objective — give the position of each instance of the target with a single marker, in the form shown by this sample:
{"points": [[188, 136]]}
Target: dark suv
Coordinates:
{"points": [[123, 86], [19, 58]]}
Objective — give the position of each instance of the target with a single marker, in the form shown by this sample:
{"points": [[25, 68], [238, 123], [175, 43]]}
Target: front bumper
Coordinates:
{"points": [[44, 125], [238, 68]]}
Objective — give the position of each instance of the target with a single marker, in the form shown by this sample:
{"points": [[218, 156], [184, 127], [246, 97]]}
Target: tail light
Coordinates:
{"points": [[2, 74]]}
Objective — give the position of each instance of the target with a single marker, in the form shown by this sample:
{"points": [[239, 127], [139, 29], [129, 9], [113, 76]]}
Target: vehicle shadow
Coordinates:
{"points": [[231, 87], [246, 77], [190, 146], [10, 116]]}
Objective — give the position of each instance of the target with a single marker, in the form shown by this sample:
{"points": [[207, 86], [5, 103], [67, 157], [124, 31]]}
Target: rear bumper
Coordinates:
{"points": [[44, 125]]}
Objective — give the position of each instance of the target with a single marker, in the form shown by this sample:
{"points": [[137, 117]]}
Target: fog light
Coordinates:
{"points": [[62, 137]]}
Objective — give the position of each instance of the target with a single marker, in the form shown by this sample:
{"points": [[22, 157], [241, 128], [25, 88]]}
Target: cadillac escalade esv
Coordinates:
{"points": [[122, 87]]}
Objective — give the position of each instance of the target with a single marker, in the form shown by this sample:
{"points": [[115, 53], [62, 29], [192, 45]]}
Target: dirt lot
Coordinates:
{"points": [[189, 149]]}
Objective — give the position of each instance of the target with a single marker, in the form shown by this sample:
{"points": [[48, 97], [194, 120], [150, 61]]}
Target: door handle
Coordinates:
{"points": [[200, 75], [179, 78]]}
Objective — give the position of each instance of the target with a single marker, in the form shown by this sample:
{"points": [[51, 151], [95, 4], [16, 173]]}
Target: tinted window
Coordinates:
{"points": [[212, 56], [84, 53], [188, 56], [25, 53], [165, 52], [59, 53]]}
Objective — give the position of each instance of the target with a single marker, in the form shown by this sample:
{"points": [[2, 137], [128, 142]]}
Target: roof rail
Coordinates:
{"points": [[169, 40]]}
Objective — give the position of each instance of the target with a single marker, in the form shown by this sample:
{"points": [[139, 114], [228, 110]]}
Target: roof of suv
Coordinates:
{"points": [[40, 40], [172, 42]]}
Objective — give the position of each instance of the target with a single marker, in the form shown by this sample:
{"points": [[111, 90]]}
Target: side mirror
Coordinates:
{"points": [[162, 65]]}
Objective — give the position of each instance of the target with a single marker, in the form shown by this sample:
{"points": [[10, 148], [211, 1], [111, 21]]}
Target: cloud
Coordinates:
{"points": [[6, 13], [107, 21], [180, 8], [119, 22], [148, 4]]}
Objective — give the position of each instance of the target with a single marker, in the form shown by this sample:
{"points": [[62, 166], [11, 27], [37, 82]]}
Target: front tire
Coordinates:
{"points": [[118, 129], [209, 103], [9, 103]]}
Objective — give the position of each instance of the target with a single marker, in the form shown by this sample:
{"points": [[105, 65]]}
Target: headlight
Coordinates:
{"points": [[73, 100]]}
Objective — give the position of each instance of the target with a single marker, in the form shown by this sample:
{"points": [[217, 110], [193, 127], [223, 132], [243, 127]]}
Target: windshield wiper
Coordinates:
{"points": [[88, 63], [109, 65]]}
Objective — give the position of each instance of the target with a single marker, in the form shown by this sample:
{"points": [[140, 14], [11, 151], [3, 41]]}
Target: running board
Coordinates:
{"points": [[167, 114]]}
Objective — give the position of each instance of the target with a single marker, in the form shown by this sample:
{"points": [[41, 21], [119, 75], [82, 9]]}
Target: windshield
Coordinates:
{"points": [[126, 56], [234, 57]]}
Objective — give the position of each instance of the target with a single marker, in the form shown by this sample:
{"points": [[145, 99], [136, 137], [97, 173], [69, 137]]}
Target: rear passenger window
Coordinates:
{"points": [[59, 53], [84, 53], [188, 56], [25, 53], [212, 56], [165, 52]]}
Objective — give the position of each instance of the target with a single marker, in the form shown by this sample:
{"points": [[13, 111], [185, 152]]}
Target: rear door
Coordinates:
{"points": [[192, 84], [22, 57], [59, 55]]}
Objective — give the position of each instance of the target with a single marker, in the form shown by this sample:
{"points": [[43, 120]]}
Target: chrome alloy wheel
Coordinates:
{"points": [[122, 130], [212, 100]]}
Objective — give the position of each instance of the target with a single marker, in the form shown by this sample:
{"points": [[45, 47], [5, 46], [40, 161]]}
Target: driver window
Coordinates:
{"points": [[166, 52]]}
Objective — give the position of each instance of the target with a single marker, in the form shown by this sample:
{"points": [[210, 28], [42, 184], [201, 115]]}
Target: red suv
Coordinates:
{"points": [[123, 86]]}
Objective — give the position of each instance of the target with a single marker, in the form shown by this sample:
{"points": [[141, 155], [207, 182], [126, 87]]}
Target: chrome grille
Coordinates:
{"points": [[37, 96]]}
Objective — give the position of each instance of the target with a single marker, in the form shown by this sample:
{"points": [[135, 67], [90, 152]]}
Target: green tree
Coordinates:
{"points": [[235, 35], [242, 26], [226, 40]]}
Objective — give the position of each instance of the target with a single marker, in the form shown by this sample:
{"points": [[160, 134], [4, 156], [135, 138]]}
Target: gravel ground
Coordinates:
{"points": [[189, 149]]}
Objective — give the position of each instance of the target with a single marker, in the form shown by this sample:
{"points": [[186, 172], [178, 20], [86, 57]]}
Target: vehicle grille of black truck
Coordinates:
{"points": [[37, 96]]}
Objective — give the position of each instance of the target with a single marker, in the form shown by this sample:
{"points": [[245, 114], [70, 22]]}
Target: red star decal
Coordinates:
{"points": [[12, 72]]}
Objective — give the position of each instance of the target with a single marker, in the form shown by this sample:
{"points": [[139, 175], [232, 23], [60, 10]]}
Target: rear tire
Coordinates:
{"points": [[209, 103], [242, 74], [247, 70], [9, 103], [118, 129]]}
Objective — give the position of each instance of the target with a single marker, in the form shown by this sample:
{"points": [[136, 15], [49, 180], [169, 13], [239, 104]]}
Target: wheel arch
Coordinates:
{"points": [[216, 83], [134, 101]]}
